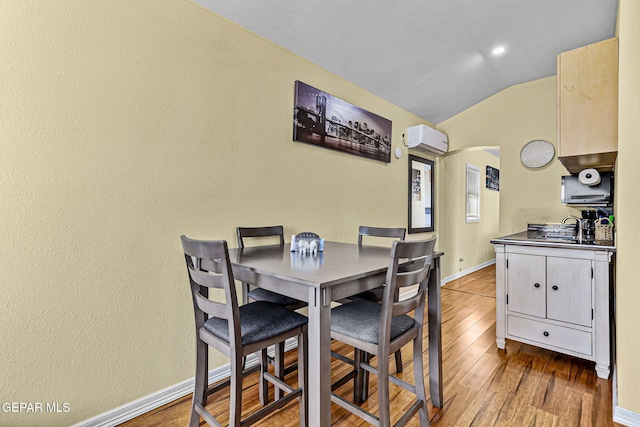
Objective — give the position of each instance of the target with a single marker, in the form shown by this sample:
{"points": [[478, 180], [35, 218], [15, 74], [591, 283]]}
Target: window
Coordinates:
{"points": [[473, 194]]}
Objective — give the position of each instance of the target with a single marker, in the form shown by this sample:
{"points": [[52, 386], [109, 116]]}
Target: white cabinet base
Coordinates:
{"points": [[558, 299]]}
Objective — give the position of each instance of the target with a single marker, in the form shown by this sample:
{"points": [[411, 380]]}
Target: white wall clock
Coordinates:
{"points": [[537, 153]]}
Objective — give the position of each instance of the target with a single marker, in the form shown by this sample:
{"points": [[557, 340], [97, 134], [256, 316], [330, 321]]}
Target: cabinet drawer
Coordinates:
{"points": [[551, 335]]}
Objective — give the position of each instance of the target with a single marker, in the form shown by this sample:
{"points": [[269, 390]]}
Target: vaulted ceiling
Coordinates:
{"points": [[431, 57]]}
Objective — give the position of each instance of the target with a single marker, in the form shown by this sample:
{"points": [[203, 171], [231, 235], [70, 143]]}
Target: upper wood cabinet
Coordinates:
{"points": [[588, 106]]}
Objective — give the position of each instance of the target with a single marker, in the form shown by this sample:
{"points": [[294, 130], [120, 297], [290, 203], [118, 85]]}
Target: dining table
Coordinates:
{"points": [[338, 271]]}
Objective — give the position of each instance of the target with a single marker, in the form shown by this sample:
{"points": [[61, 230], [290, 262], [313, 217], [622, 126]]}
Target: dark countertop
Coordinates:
{"points": [[528, 238]]}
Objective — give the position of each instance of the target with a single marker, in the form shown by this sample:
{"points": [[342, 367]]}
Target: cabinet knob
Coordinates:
{"points": [[537, 285], [545, 333], [554, 287]]}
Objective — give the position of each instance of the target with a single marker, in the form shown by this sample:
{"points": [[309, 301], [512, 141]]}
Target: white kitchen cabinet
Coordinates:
{"points": [[555, 298]]}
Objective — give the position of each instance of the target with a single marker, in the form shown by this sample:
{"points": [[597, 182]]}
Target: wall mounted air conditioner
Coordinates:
{"points": [[427, 139]]}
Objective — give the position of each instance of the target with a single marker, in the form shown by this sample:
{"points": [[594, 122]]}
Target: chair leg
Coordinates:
{"points": [[235, 391], [398, 357], [358, 380], [398, 354], [303, 377], [384, 410], [245, 300], [201, 383], [418, 377], [364, 378], [263, 383], [279, 368]]}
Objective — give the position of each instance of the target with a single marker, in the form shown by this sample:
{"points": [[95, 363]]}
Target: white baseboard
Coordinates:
{"points": [[626, 417], [621, 415], [155, 400], [141, 406], [467, 271]]}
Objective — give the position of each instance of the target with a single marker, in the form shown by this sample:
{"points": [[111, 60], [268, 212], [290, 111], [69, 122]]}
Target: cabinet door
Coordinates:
{"points": [[526, 284], [588, 100], [569, 290]]}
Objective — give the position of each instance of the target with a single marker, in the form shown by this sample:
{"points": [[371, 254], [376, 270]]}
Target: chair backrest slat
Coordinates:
{"points": [[406, 305], [207, 278], [410, 278], [395, 233], [274, 230], [419, 271], [212, 308]]}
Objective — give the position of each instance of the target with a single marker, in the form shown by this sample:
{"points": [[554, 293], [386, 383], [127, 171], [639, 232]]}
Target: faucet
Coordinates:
{"points": [[578, 224]]}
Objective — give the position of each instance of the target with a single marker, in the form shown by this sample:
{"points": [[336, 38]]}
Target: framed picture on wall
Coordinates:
{"points": [[421, 207], [330, 122], [493, 178]]}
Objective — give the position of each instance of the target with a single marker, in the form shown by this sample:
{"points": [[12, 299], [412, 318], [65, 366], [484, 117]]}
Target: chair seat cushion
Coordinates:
{"points": [[259, 321], [360, 319], [260, 294]]}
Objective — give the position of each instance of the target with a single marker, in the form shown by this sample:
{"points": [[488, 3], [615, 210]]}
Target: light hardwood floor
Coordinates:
{"points": [[483, 386]]}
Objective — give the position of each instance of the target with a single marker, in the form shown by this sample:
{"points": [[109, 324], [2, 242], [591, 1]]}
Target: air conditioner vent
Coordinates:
{"points": [[426, 139]]}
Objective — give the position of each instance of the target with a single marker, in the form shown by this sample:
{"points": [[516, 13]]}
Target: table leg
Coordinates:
{"points": [[319, 384], [435, 335]]}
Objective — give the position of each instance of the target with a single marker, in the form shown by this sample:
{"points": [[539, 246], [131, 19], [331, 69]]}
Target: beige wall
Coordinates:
{"points": [[509, 120], [466, 245], [124, 125], [628, 206]]}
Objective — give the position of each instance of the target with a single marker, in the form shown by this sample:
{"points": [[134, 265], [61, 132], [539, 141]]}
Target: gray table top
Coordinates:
{"points": [[338, 263]]}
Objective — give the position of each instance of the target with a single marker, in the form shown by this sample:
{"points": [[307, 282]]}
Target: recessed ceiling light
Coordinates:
{"points": [[499, 50]]}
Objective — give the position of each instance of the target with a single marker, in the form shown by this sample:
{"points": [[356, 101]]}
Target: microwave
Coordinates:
{"points": [[573, 192]]}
